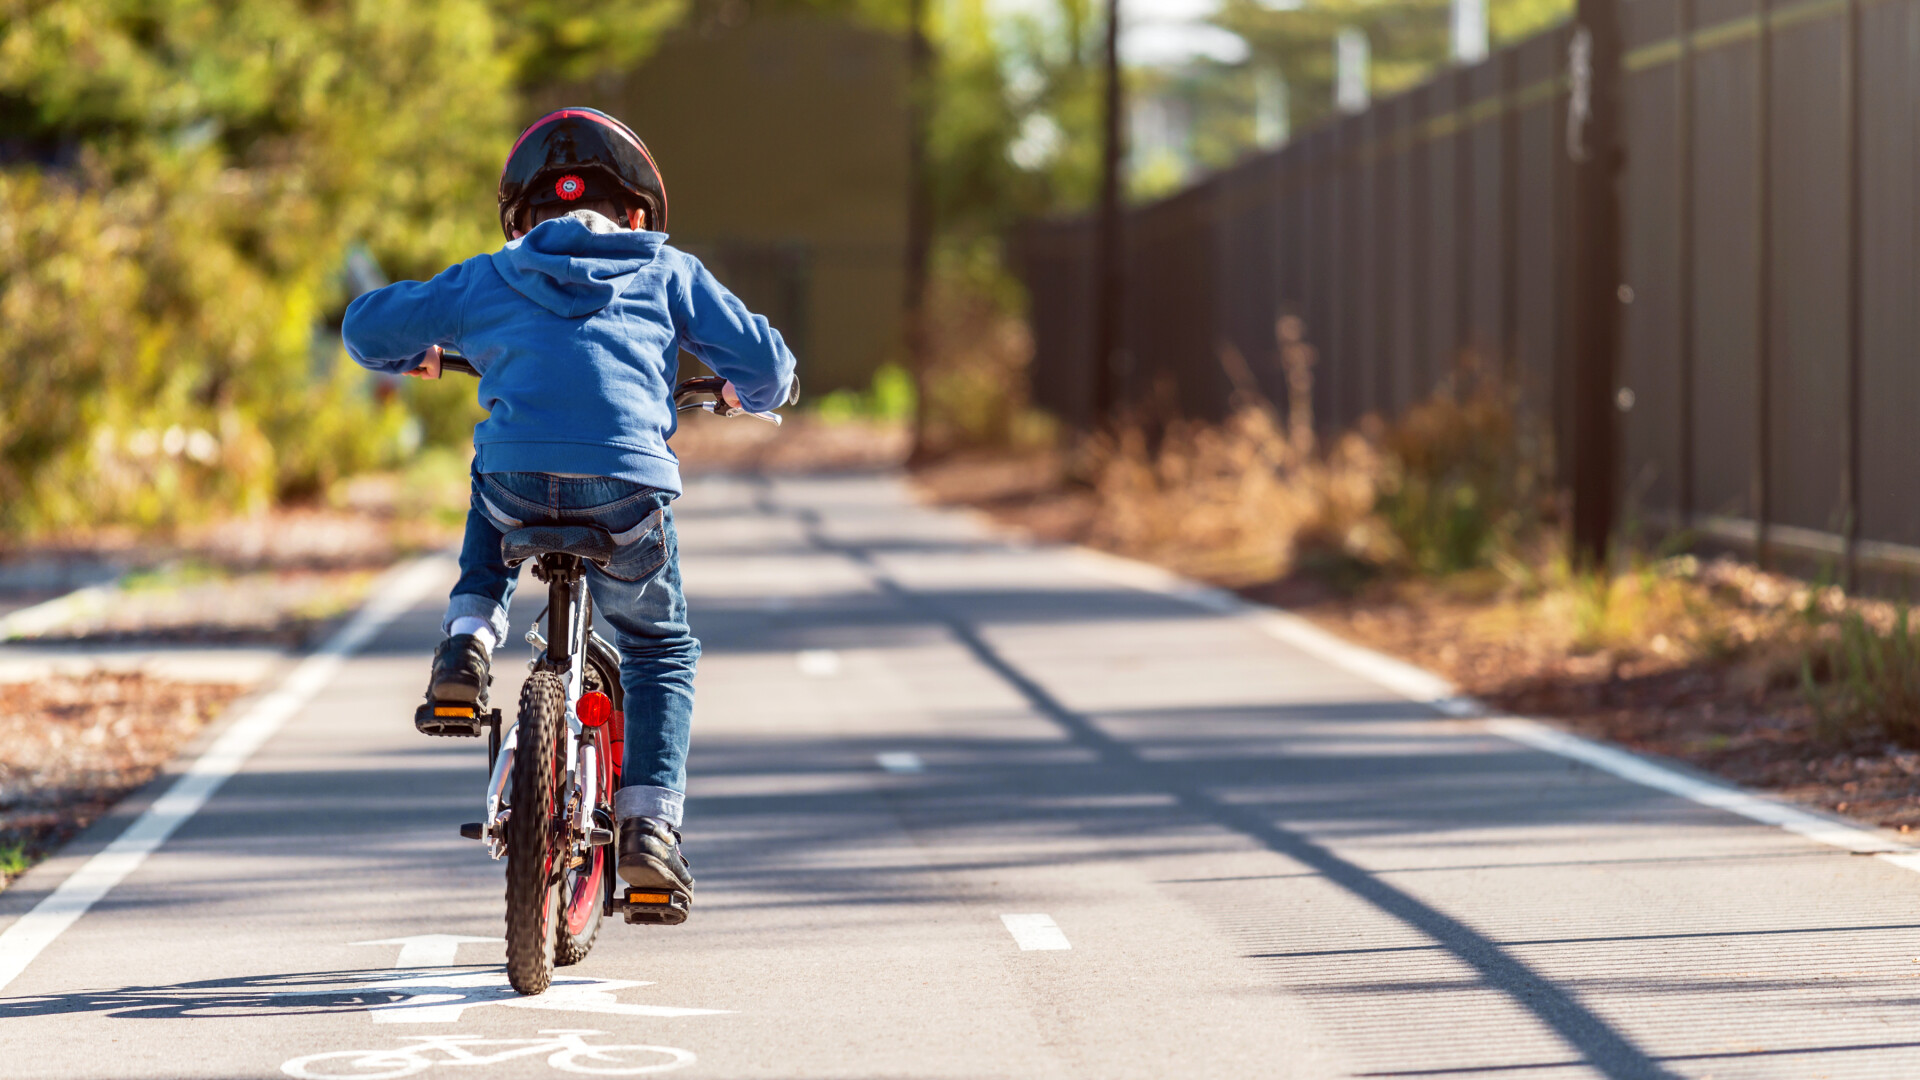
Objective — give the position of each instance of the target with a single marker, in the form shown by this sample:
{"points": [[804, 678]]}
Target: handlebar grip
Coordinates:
{"points": [[453, 362]]}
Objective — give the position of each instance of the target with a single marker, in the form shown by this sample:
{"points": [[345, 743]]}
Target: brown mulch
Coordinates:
{"points": [[1738, 720], [70, 748]]}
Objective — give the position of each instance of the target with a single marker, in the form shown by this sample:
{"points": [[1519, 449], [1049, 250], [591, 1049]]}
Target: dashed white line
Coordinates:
{"points": [[28, 937], [901, 761], [818, 663], [1035, 932]]}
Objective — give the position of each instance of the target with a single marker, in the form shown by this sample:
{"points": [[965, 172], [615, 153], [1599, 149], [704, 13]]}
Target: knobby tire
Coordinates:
{"points": [[534, 848], [601, 673]]}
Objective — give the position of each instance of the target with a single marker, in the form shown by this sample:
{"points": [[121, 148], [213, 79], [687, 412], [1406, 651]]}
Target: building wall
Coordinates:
{"points": [[783, 144]]}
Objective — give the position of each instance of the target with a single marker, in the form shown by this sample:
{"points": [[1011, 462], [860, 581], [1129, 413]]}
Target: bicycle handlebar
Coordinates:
{"points": [[683, 394]]}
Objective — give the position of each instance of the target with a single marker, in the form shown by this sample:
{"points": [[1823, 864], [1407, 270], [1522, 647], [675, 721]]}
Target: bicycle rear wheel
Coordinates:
{"points": [[583, 887], [535, 834]]}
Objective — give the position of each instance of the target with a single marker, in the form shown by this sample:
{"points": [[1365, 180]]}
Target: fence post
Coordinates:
{"points": [[1850, 484], [1763, 284], [1594, 144], [1683, 254], [1111, 286]]}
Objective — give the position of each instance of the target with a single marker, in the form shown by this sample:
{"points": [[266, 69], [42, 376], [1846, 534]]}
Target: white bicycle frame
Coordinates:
{"points": [[583, 765]]}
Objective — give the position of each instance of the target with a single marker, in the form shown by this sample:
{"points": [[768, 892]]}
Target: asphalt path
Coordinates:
{"points": [[963, 807]]}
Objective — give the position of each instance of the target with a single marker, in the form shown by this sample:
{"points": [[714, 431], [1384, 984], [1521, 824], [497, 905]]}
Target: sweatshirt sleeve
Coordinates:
{"points": [[737, 344], [388, 329]]}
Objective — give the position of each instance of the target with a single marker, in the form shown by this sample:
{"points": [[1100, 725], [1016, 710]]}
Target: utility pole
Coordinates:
{"points": [[1110, 251], [919, 217], [1594, 143]]}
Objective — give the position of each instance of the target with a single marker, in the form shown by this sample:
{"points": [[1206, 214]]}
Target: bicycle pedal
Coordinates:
{"points": [[654, 907], [453, 718]]}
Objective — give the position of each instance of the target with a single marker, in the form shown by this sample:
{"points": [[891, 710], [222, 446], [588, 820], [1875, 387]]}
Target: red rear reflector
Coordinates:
{"points": [[594, 709]]}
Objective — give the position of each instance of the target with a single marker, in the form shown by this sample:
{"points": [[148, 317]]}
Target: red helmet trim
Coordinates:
{"points": [[605, 121]]}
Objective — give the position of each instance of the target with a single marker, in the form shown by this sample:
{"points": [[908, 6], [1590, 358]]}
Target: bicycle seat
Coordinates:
{"points": [[588, 542]]}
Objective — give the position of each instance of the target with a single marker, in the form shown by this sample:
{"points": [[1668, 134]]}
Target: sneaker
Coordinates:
{"points": [[650, 856], [462, 672]]}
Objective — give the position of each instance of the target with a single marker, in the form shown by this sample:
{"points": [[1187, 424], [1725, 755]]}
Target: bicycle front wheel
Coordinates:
{"points": [[535, 834]]}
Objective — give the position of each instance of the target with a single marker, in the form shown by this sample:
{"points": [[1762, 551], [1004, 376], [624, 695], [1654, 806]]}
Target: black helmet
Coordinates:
{"points": [[580, 153]]}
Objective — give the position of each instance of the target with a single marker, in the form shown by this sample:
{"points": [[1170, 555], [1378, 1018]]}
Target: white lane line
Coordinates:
{"points": [[393, 594], [818, 663], [901, 761], [1035, 932], [1429, 689], [57, 612]]}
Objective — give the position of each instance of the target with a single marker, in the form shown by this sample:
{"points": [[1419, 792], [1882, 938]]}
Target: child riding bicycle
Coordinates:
{"points": [[575, 327]]}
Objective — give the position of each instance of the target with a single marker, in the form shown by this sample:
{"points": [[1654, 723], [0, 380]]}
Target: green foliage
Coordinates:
{"points": [[1408, 40], [1863, 680], [14, 860], [890, 399], [179, 183]]}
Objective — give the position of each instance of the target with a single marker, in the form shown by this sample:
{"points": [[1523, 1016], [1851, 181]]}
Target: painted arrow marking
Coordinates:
{"points": [[429, 950], [426, 992]]}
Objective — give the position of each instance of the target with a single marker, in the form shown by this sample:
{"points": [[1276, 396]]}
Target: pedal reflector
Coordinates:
{"points": [[648, 897], [453, 710]]}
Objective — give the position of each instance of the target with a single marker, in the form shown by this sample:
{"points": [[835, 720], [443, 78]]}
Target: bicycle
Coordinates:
{"points": [[568, 1051], [553, 771]]}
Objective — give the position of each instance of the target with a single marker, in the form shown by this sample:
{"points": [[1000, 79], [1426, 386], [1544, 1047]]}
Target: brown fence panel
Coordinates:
{"points": [[1807, 316], [1725, 223], [1653, 428], [1488, 136], [1540, 226], [1437, 163], [1889, 288], [1770, 236], [1055, 260]]}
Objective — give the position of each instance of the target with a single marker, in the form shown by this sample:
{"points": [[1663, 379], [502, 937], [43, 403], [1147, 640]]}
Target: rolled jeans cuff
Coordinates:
{"points": [[473, 605], [642, 800]]}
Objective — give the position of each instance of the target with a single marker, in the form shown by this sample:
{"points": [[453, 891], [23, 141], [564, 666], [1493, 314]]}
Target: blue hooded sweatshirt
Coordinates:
{"points": [[576, 329]]}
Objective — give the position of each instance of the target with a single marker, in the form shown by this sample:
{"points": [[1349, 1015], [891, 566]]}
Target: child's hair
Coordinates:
{"points": [[606, 208]]}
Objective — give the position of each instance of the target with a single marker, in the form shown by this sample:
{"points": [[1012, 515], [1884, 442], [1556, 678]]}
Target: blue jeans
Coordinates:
{"points": [[638, 594]]}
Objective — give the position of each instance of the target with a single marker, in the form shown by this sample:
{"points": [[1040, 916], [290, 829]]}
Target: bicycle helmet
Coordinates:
{"points": [[579, 153]]}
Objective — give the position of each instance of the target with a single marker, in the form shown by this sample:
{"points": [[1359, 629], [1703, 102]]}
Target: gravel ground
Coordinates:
{"points": [[73, 743], [72, 747]]}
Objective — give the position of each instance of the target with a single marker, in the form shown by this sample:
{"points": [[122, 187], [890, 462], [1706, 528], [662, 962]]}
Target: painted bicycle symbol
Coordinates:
{"points": [[567, 1050]]}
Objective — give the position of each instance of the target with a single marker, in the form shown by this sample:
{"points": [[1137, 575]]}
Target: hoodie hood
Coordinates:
{"points": [[575, 265]]}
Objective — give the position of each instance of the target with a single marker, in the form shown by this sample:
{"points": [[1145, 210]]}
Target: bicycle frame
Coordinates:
{"points": [[569, 621]]}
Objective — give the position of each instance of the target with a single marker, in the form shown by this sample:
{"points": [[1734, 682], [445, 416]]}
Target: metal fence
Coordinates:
{"points": [[1768, 362]]}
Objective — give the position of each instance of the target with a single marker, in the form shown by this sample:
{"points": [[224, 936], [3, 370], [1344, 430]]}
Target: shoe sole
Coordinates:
{"points": [[647, 872]]}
